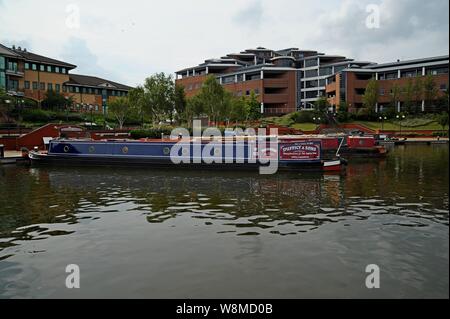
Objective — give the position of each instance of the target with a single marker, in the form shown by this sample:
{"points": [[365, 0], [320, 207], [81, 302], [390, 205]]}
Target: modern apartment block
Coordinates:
{"points": [[284, 80], [25, 74], [350, 84], [292, 79]]}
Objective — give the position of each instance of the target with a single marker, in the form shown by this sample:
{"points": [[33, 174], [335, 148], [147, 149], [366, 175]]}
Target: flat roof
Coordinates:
{"points": [[406, 62]]}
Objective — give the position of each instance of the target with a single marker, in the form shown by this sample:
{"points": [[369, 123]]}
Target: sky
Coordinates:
{"points": [[126, 41]]}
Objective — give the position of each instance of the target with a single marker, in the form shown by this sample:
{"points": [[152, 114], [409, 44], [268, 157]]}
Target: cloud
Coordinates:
{"points": [[250, 16], [128, 41], [77, 52], [408, 29]]}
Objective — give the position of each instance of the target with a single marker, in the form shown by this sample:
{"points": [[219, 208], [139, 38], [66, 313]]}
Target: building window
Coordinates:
{"points": [[443, 87], [42, 86], [84, 90], [49, 68], [57, 88], [42, 68], [27, 85], [35, 85], [247, 92], [2, 63], [96, 92], [64, 88], [381, 91], [34, 67], [27, 66], [437, 71], [77, 89], [12, 66], [2, 80], [50, 87], [56, 69], [310, 62], [257, 91], [311, 73], [63, 70]]}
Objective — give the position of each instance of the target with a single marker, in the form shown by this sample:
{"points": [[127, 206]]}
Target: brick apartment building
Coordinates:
{"points": [[292, 79], [29, 75], [349, 85]]}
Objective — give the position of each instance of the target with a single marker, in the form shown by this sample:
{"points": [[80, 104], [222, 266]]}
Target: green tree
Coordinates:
{"points": [[136, 100], [253, 107], [179, 101], [55, 101], [443, 120], [370, 97], [322, 104], [409, 96], [120, 109], [216, 102], [342, 113], [395, 95], [418, 94], [239, 110], [159, 91], [430, 90], [194, 107]]}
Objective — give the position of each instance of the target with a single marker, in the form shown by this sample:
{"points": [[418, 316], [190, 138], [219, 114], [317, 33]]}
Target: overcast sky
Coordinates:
{"points": [[128, 40]]}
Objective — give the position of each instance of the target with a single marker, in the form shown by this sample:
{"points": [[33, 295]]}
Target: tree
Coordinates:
{"points": [[395, 95], [136, 100], [239, 110], [322, 104], [216, 102], [409, 96], [253, 107], [370, 97], [159, 92], [342, 113], [179, 101], [55, 101], [418, 93], [120, 108], [194, 107], [430, 90], [443, 120]]}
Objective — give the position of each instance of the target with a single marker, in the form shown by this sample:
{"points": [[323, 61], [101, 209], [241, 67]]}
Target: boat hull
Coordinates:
{"points": [[235, 156], [122, 161]]}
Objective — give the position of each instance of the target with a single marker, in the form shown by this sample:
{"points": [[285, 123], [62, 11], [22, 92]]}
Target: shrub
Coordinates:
{"points": [[440, 134], [37, 115], [153, 132]]}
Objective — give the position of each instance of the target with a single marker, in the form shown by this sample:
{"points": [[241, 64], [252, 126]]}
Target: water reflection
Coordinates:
{"points": [[38, 203]]}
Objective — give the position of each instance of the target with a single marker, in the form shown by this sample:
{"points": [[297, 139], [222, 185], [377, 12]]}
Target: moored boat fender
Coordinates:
{"points": [[332, 165]]}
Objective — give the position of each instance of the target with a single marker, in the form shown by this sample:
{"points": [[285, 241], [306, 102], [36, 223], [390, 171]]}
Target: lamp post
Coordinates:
{"points": [[91, 109], [67, 108], [382, 119], [400, 118]]}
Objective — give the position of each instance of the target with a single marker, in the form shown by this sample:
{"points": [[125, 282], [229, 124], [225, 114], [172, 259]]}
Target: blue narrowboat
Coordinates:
{"points": [[189, 153]]}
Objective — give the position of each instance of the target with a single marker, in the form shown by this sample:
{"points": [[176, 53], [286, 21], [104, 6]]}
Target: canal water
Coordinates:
{"points": [[171, 234]]}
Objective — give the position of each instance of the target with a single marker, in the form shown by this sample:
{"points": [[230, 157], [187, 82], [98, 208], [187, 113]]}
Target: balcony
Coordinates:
{"points": [[13, 72], [275, 98], [275, 83]]}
